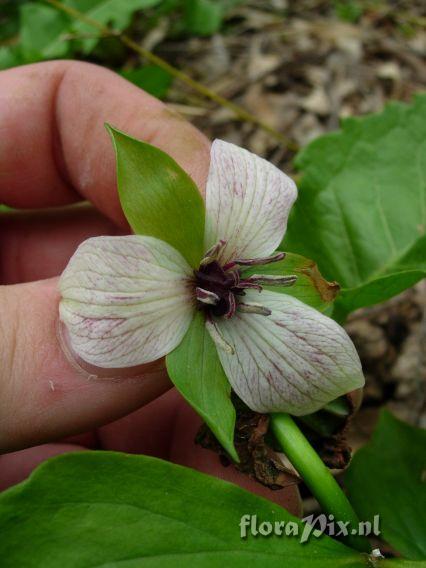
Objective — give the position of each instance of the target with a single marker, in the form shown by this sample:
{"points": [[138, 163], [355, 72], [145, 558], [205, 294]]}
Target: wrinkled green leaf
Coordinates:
{"points": [[109, 509], [151, 79], [114, 13], [197, 373], [42, 32], [158, 198], [361, 212], [310, 286], [387, 477]]}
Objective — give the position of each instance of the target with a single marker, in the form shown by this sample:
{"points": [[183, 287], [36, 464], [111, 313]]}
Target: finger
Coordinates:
{"points": [[38, 244], [166, 428], [42, 396], [148, 430], [54, 148], [17, 466], [56, 140]]}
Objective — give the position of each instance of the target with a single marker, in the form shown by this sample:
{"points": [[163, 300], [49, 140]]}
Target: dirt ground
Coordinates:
{"points": [[301, 73]]}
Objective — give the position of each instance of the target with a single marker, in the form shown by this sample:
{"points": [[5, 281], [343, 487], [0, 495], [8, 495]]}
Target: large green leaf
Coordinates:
{"points": [[158, 198], [45, 31], [108, 509], [361, 212], [42, 32], [151, 79], [117, 13], [196, 371], [386, 477], [310, 286]]}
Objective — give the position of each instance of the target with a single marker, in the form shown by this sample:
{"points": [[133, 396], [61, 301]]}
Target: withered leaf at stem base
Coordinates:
{"points": [[257, 459]]}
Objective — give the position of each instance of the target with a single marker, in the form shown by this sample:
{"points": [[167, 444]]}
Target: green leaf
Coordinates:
{"points": [[310, 286], [386, 477], [361, 212], [197, 373], [109, 509], [114, 13], [402, 563], [203, 17], [158, 198], [349, 11], [42, 32], [10, 56], [151, 79]]}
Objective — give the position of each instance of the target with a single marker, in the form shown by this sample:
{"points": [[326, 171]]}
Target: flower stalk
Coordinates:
{"points": [[317, 476]]}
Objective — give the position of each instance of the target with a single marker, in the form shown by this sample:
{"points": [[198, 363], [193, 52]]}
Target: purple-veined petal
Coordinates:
{"points": [[296, 360], [125, 300], [247, 203]]}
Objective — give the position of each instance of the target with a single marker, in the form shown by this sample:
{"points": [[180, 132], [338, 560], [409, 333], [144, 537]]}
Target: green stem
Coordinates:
{"points": [[317, 476]]}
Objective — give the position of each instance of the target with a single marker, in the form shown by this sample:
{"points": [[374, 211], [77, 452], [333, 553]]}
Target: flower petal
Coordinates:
{"points": [[125, 300], [296, 360], [247, 203]]}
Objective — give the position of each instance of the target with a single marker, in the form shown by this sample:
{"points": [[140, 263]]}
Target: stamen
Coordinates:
{"points": [[255, 261], [232, 306], [213, 253], [272, 279], [218, 337], [234, 274], [206, 297], [247, 284], [252, 308]]}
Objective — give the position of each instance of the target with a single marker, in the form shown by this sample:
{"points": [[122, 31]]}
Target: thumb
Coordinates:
{"points": [[43, 396]]}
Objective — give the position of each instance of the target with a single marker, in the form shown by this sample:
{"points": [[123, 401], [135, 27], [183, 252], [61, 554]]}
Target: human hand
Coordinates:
{"points": [[54, 151]]}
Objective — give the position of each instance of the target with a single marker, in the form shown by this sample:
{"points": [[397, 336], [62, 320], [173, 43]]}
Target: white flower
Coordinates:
{"points": [[130, 300]]}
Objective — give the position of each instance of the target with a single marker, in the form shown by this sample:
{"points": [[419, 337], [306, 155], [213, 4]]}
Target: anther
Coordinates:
{"points": [[206, 297], [255, 261], [218, 337], [213, 253], [272, 279], [232, 306], [245, 284], [252, 308]]}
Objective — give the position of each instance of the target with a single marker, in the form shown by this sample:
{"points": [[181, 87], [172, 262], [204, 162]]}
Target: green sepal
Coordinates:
{"points": [[158, 197], [197, 373]]}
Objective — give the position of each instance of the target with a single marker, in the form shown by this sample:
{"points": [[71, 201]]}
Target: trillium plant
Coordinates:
{"points": [[219, 284], [205, 283]]}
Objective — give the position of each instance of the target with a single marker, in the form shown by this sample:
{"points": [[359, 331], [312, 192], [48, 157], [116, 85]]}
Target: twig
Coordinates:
{"points": [[240, 113]]}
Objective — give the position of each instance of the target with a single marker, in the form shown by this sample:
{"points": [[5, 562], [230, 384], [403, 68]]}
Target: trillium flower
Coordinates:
{"points": [[130, 300]]}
